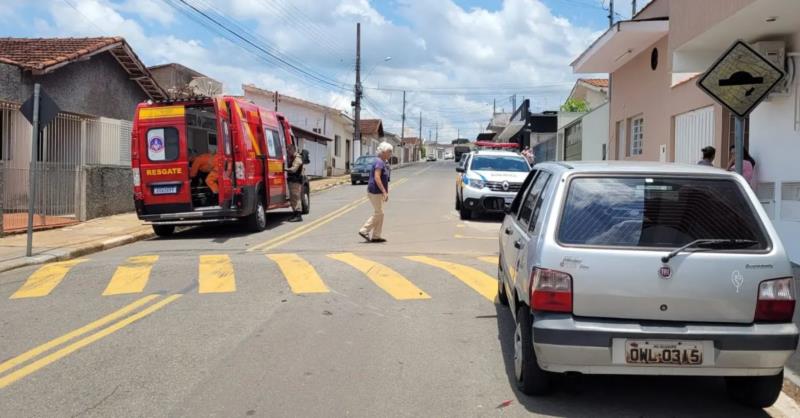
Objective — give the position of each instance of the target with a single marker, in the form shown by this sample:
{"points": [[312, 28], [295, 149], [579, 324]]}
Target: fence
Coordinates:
{"points": [[63, 147]]}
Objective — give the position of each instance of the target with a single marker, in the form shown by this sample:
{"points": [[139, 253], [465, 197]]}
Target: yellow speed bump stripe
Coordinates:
{"points": [[387, 279], [22, 358], [299, 273], [216, 274], [77, 345], [132, 276], [493, 260], [479, 281], [45, 279]]}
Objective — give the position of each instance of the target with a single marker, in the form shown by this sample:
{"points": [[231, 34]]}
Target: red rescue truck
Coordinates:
{"points": [[238, 148]]}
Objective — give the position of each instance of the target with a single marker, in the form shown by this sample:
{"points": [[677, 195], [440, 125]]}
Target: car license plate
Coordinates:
{"points": [[165, 189], [509, 200], [664, 352]]}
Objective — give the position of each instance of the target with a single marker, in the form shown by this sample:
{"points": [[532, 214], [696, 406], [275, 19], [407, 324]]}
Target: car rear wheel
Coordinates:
{"points": [[305, 200], [164, 230], [531, 379], [755, 391]]}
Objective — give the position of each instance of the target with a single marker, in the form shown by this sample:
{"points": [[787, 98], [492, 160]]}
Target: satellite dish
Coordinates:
{"points": [[204, 86]]}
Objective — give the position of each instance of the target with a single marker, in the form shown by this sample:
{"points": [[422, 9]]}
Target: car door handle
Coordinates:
{"points": [[518, 244], [508, 231]]}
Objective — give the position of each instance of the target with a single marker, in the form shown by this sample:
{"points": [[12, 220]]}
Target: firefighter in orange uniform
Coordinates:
{"points": [[206, 163]]}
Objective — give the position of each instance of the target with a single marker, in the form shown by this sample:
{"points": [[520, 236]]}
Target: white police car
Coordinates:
{"points": [[489, 181]]}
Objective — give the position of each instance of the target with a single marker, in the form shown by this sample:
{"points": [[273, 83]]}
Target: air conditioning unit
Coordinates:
{"points": [[775, 52]]}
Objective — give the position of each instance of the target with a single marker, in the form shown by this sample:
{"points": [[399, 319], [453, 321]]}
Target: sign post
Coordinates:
{"points": [[739, 80], [40, 110]]}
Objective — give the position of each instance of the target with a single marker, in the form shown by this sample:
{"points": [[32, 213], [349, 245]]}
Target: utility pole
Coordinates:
{"points": [[437, 131], [403, 119], [611, 13], [458, 133], [357, 102], [633, 8], [420, 125], [276, 100], [494, 107], [514, 103]]}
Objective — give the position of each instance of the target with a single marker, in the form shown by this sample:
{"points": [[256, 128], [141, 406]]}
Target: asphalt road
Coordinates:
{"points": [[302, 320]]}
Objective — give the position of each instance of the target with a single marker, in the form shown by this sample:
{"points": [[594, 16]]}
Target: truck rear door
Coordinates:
{"points": [[164, 164]]}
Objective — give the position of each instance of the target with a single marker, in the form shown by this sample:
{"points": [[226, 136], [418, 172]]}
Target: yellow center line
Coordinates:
{"points": [[216, 274], [479, 281], [296, 233], [301, 275], [493, 260], [45, 279], [387, 279], [8, 364], [77, 345], [132, 276]]}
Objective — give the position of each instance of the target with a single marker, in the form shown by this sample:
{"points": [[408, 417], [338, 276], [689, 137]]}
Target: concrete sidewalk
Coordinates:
{"points": [[95, 235]]}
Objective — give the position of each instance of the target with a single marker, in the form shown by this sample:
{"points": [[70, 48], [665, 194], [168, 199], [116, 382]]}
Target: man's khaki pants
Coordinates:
{"points": [[295, 191], [375, 222]]}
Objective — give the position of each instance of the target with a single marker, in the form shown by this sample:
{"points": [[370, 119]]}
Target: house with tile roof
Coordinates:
{"points": [[584, 136], [593, 91], [371, 134], [96, 83]]}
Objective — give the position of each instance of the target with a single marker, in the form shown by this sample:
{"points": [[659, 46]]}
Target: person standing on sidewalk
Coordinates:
{"points": [[378, 193], [709, 153], [294, 178]]}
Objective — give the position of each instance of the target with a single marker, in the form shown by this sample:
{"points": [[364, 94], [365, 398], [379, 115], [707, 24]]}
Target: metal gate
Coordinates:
{"points": [[693, 131]]}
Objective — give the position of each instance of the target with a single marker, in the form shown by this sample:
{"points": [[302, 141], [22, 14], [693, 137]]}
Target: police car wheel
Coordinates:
{"points": [[305, 200], [164, 230], [464, 213], [458, 203]]}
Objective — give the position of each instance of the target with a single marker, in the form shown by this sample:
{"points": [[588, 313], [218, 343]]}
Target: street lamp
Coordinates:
{"points": [[387, 59]]}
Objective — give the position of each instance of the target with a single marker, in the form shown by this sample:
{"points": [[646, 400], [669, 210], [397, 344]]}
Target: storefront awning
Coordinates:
{"points": [[313, 136], [620, 43], [510, 131]]}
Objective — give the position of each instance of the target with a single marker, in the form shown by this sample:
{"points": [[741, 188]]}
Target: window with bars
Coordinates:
{"points": [[637, 135]]}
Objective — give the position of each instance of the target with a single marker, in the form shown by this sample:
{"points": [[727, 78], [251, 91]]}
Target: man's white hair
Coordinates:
{"points": [[384, 147]]}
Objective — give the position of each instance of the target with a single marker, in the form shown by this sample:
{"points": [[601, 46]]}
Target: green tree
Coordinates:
{"points": [[575, 105]]}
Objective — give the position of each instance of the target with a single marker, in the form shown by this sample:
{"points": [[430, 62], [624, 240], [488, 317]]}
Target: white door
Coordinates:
{"points": [[693, 131]]}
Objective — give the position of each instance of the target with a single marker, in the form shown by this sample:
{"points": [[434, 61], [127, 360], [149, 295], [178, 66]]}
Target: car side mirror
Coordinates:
{"points": [[460, 169]]}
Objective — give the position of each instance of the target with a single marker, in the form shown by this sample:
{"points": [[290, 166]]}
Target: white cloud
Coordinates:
{"points": [[436, 47]]}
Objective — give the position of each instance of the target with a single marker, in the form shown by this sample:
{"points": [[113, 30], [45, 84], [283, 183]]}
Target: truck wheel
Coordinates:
{"points": [[257, 221], [531, 379], [458, 203], [353, 182], [164, 230], [305, 200], [755, 391], [464, 213]]}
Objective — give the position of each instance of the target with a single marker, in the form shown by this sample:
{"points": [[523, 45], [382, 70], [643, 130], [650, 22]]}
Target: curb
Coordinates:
{"points": [[70, 253]]}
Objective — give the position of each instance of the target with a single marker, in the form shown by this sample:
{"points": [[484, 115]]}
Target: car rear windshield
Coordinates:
{"points": [[656, 212], [365, 160], [498, 163]]}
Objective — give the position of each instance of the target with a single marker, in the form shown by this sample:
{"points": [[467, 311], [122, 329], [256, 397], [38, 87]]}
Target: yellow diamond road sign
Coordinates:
{"points": [[740, 79]]}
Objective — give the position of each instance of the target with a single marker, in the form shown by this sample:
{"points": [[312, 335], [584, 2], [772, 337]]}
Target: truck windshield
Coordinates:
{"points": [[499, 163], [657, 212]]}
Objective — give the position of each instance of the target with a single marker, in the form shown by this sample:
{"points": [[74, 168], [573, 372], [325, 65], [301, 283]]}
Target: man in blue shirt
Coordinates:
{"points": [[378, 193]]}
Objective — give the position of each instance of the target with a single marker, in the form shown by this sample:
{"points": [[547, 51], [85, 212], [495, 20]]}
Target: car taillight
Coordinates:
{"points": [[551, 291], [775, 300]]}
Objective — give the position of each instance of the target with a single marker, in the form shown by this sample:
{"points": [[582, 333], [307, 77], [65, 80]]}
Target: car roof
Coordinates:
{"points": [[623, 167], [492, 153]]}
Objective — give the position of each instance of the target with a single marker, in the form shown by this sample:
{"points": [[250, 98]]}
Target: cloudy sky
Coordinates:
{"points": [[455, 58]]}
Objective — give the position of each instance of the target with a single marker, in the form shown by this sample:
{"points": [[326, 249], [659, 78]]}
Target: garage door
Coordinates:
{"points": [[693, 131], [317, 153]]}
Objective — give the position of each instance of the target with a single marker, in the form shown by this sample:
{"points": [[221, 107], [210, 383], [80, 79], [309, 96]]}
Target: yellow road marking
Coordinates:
{"points": [[299, 273], [460, 226], [77, 345], [132, 276], [493, 260], [216, 274], [387, 279], [8, 364], [302, 230], [479, 281], [459, 236], [45, 279]]}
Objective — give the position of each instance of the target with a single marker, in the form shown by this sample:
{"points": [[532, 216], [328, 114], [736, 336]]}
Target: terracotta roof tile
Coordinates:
{"points": [[40, 53], [597, 82], [371, 127]]}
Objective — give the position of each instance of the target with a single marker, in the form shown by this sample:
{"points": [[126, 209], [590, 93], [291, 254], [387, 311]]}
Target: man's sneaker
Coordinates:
{"points": [[365, 236], [296, 218], [378, 240]]}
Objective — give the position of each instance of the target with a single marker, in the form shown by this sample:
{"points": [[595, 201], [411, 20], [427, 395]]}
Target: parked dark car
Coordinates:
{"points": [[360, 171]]}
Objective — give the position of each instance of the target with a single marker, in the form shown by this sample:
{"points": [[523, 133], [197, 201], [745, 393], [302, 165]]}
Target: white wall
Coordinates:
{"points": [[775, 145], [595, 134]]}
